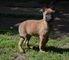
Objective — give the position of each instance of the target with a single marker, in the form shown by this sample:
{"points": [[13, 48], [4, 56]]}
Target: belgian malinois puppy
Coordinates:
{"points": [[37, 28]]}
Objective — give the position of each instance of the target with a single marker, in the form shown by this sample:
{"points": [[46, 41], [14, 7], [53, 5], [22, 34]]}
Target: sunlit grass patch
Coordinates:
{"points": [[55, 49]]}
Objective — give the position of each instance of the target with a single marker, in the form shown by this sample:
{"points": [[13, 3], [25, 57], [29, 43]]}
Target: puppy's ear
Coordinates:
{"points": [[41, 10]]}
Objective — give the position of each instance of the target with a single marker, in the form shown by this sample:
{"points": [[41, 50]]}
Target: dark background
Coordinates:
{"points": [[13, 12]]}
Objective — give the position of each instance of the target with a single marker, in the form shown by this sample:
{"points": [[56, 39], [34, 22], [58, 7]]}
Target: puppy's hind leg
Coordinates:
{"points": [[27, 43], [20, 45]]}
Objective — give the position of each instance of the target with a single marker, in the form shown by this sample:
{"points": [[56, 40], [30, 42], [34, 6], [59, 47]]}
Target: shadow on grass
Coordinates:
{"points": [[54, 49], [8, 31]]}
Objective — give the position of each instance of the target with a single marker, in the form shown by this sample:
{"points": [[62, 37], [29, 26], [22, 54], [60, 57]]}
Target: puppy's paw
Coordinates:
{"points": [[22, 52], [42, 51]]}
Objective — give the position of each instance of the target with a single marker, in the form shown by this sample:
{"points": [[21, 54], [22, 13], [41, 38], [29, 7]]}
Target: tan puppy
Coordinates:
{"points": [[35, 27]]}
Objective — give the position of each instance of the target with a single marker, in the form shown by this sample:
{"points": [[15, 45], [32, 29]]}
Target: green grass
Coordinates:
{"points": [[55, 50]]}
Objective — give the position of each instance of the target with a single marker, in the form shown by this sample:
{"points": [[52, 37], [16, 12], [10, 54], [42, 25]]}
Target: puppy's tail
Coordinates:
{"points": [[16, 25]]}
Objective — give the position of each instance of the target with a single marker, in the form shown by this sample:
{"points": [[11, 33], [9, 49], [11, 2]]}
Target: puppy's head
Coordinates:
{"points": [[47, 10]]}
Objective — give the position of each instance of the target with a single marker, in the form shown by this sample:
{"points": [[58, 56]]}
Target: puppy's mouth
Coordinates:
{"points": [[48, 17]]}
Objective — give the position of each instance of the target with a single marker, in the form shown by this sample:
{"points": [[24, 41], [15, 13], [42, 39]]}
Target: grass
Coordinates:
{"points": [[55, 50]]}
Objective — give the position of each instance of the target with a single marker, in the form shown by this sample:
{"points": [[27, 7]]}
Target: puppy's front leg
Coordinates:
{"points": [[41, 44]]}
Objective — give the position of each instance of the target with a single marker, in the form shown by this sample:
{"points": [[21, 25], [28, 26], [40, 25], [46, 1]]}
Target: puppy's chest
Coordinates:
{"points": [[45, 25], [45, 28]]}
